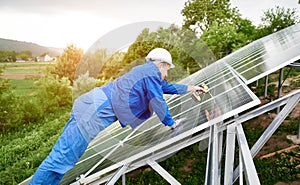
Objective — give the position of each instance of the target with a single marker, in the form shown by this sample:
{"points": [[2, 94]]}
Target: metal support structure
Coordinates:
{"points": [[123, 179], [244, 170], [241, 167], [292, 102], [213, 166], [154, 157], [290, 105], [245, 159], [266, 86], [280, 84], [163, 172], [229, 161], [251, 174], [117, 175], [220, 139]]}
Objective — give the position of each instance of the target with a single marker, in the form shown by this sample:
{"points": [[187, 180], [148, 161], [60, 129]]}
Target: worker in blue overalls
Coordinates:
{"points": [[131, 99]]}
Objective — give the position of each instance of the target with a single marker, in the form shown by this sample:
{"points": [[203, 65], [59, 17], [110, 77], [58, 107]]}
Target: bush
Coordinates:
{"points": [[53, 93], [83, 84], [9, 107], [31, 110], [22, 152]]}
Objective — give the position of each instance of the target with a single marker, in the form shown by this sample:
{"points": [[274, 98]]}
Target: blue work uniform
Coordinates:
{"points": [[131, 99], [140, 92]]}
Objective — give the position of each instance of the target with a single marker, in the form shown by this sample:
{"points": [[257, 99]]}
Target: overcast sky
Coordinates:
{"points": [[57, 23]]}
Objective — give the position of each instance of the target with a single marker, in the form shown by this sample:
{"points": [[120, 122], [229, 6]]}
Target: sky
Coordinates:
{"points": [[58, 23]]}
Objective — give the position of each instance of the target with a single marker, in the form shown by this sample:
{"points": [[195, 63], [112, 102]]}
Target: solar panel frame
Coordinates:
{"points": [[234, 68], [274, 51], [235, 87]]}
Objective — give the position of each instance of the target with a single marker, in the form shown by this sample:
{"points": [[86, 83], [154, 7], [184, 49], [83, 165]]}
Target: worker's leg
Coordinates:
{"points": [[45, 177], [64, 155]]}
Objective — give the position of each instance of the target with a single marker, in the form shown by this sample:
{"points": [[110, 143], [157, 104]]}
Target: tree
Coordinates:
{"points": [[92, 63], [9, 105], [225, 39], [276, 19], [199, 15], [25, 55], [112, 67], [44, 54], [67, 63], [188, 52], [8, 56], [219, 25]]}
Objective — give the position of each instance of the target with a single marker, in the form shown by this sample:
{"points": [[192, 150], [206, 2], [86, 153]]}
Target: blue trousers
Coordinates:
{"points": [[91, 113], [66, 152]]}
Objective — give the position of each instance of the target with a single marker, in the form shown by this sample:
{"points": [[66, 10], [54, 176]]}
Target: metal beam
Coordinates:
{"points": [[167, 151], [290, 105], [117, 175], [162, 154], [251, 174], [266, 86], [275, 124], [213, 166], [220, 142], [210, 176], [123, 179], [163, 172], [229, 160]]}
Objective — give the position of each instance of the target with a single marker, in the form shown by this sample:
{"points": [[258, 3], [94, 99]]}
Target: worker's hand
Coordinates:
{"points": [[178, 122], [195, 89], [199, 89]]}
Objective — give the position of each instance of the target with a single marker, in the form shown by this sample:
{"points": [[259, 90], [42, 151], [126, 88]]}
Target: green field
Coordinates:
{"points": [[23, 87], [25, 68], [23, 75]]}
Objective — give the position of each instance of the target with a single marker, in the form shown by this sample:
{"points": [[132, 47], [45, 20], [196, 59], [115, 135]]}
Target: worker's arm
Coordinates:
{"points": [[155, 95], [173, 88], [179, 88]]}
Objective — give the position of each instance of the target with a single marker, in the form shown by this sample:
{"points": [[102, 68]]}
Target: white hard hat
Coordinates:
{"points": [[160, 54]]}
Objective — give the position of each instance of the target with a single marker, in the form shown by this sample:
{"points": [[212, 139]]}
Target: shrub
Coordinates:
{"points": [[53, 93], [83, 84], [9, 107], [31, 109]]}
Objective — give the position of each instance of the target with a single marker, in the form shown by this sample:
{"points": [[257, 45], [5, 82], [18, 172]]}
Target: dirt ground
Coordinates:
{"points": [[278, 141], [292, 183]]}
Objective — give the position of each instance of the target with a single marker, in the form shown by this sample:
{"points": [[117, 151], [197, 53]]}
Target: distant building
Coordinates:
{"points": [[20, 60], [46, 58]]}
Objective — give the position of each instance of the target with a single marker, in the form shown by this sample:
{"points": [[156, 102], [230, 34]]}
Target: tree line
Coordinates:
{"points": [[12, 56]]}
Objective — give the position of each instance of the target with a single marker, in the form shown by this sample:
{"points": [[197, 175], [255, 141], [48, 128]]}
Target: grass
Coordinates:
{"points": [[23, 87], [25, 68], [22, 151], [25, 64]]}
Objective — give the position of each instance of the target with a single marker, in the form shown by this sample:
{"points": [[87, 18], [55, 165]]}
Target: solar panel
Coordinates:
{"points": [[229, 95], [266, 55]]}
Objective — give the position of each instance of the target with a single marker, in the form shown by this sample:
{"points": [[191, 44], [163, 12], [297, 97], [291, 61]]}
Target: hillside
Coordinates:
{"points": [[37, 50]]}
